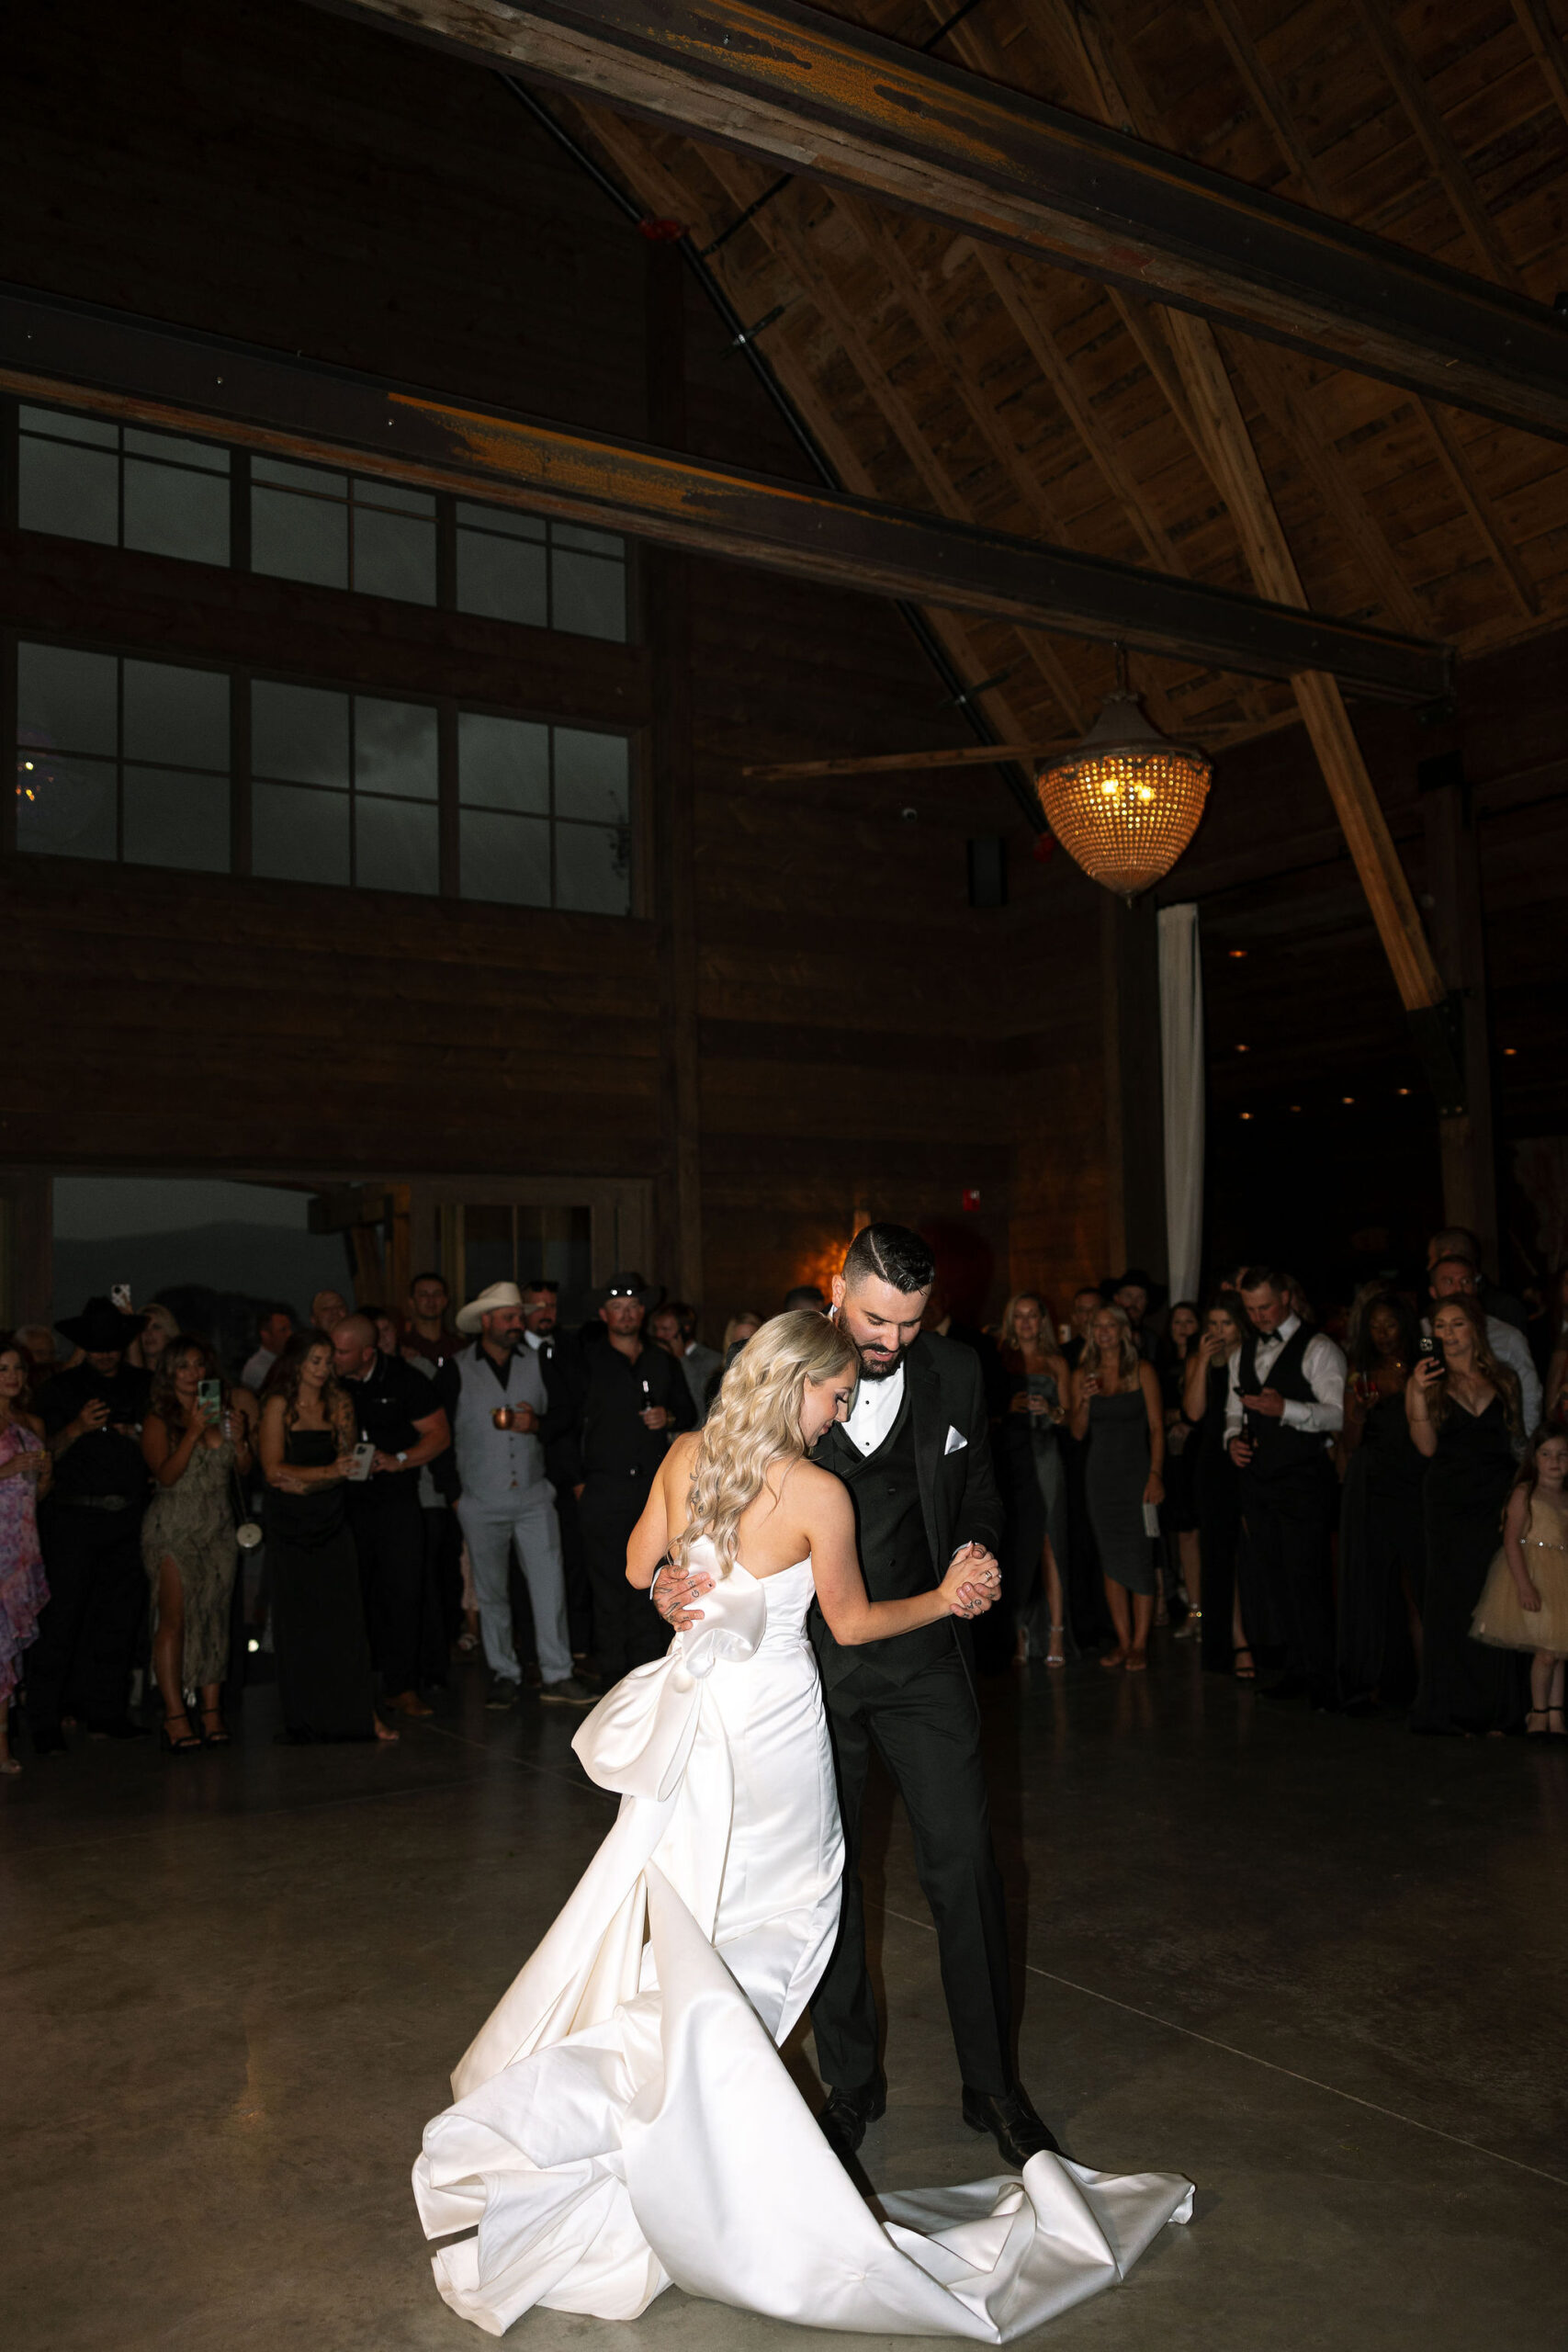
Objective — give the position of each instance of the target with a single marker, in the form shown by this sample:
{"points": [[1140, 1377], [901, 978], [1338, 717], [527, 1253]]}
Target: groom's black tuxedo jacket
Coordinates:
{"points": [[927, 1490]]}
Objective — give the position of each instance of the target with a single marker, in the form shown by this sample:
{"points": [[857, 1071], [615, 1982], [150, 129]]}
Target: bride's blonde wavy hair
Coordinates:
{"points": [[754, 1422]]}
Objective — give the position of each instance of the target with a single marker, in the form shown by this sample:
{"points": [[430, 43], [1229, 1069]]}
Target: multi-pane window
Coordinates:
{"points": [[550, 575], [544, 815], [342, 530], [123, 759], [142, 763], [85, 479], [345, 789]]}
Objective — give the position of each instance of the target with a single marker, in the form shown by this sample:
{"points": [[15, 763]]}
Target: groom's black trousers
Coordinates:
{"points": [[927, 1732]]}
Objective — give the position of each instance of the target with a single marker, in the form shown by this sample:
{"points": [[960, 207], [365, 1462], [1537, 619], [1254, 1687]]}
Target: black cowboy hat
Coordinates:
{"points": [[627, 1284], [1154, 1292], [102, 1328]]}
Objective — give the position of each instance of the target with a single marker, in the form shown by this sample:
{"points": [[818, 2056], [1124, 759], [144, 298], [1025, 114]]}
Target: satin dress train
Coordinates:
{"points": [[624, 2120]]}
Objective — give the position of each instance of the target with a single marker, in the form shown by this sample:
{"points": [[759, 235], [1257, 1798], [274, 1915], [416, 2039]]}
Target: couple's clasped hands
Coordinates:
{"points": [[972, 1585]]}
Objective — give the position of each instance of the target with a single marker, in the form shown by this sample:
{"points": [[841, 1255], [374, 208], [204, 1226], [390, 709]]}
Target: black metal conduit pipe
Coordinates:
{"points": [[1018, 783]]}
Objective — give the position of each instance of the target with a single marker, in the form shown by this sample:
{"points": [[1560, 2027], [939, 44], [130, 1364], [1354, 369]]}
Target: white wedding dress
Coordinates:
{"points": [[624, 2119]]}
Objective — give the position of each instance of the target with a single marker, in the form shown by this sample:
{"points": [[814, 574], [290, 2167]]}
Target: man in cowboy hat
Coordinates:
{"points": [[91, 1534], [496, 1402], [624, 1400]]}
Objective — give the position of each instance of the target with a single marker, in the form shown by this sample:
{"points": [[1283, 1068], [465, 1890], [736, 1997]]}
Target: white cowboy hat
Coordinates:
{"points": [[487, 1302]]}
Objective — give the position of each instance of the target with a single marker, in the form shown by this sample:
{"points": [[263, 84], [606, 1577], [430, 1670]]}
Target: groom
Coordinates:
{"points": [[915, 1455]]}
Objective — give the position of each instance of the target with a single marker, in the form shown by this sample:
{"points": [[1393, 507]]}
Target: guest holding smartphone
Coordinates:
{"points": [[1463, 1411], [324, 1684], [194, 1447]]}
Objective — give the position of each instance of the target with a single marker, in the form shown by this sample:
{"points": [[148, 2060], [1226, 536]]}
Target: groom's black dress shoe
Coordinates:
{"points": [[847, 2113], [1018, 2130]]}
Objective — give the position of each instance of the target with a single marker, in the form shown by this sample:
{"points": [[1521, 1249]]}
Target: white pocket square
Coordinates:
{"points": [[956, 1440]]}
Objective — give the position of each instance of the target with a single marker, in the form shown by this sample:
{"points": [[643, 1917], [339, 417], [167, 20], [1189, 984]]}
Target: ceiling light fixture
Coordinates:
{"points": [[1126, 803]]}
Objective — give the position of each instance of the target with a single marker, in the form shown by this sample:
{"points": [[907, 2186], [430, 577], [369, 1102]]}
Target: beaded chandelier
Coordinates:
{"points": [[1126, 803]]}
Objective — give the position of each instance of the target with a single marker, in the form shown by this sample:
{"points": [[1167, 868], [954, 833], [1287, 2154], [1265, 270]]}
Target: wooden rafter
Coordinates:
{"points": [[1264, 367], [794, 86], [1449, 165], [628, 151], [1547, 42]]}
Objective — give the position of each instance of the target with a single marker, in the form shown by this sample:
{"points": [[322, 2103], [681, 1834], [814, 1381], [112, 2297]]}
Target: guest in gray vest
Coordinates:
{"points": [[496, 1399]]}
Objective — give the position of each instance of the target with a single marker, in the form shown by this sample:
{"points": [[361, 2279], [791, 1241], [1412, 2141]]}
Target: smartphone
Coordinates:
{"points": [[1434, 1348], [209, 1396], [1151, 1520], [363, 1455], [120, 1294]]}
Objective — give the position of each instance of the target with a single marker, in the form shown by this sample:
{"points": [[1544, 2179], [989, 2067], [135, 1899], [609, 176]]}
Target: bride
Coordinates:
{"points": [[623, 2120]]}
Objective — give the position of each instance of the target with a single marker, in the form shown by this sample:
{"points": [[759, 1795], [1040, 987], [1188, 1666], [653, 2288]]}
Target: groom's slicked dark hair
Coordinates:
{"points": [[892, 1254]]}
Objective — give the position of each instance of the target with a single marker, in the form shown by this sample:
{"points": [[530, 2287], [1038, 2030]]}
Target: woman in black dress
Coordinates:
{"points": [[1382, 1532], [1116, 1405], [1463, 1410], [1180, 1516], [324, 1685], [1033, 1483], [1216, 1488]]}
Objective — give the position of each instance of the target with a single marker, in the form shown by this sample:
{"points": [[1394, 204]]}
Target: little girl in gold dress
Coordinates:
{"points": [[1523, 1602]]}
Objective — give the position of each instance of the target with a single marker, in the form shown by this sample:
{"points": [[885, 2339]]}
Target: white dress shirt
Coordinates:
{"points": [[1324, 1369], [875, 1410], [1509, 1346], [256, 1370]]}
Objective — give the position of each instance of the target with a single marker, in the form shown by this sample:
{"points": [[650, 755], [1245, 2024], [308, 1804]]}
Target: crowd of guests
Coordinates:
{"points": [[1359, 1514], [1367, 1512]]}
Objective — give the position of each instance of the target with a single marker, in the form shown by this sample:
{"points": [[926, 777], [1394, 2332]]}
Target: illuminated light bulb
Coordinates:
{"points": [[1126, 840]]}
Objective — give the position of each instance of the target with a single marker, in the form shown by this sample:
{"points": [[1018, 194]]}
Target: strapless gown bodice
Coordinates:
{"points": [[623, 2120]]}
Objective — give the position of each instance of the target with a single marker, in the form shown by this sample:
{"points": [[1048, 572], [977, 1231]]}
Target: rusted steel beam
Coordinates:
{"points": [[120, 365], [791, 85]]}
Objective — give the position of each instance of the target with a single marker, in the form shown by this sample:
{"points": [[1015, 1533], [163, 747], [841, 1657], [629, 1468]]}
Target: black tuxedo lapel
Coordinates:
{"points": [[929, 1415]]}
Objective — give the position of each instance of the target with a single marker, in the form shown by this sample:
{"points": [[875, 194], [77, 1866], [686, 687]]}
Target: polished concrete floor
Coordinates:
{"points": [[1316, 1965]]}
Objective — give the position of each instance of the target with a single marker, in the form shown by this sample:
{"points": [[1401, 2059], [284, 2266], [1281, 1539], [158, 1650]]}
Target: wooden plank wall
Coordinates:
{"points": [[280, 177]]}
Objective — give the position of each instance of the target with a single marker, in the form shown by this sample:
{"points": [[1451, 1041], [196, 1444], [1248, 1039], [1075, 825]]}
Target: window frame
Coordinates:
{"points": [[243, 678], [242, 483]]}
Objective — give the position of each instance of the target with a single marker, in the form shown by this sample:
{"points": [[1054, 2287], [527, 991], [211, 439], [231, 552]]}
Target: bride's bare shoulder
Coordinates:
{"points": [[817, 1490]]}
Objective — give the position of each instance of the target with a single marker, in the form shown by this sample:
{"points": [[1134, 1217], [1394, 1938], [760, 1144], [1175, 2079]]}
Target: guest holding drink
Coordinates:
{"points": [[194, 1446], [24, 1477], [325, 1687], [1117, 1406]]}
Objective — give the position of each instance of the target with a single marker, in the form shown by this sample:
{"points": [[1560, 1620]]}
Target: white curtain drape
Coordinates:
{"points": [[1182, 1063]]}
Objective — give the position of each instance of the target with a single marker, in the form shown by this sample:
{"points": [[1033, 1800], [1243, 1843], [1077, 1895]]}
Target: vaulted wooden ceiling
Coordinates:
{"points": [[945, 374]]}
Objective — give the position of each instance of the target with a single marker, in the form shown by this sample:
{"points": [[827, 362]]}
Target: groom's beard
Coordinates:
{"points": [[880, 1364]]}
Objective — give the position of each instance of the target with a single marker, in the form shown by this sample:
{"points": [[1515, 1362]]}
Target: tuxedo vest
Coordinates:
{"points": [[1279, 1451], [895, 1549]]}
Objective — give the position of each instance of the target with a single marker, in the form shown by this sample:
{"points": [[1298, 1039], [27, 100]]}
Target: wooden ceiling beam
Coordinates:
{"points": [[803, 89], [117, 364], [1269, 376]]}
